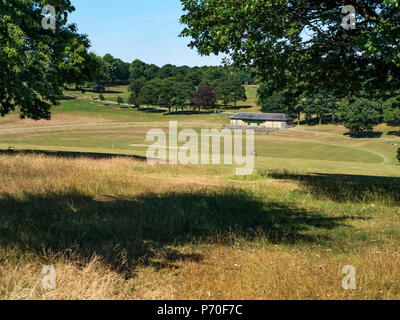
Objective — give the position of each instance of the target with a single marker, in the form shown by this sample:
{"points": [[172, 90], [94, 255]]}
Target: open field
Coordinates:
{"points": [[89, 126], [112, 93], [121, 229], [118, 228]]}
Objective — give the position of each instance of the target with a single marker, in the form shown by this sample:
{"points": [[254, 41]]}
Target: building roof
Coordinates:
{"points": [[262, 116]]}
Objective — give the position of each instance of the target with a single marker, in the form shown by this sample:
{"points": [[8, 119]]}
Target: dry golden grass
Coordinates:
{"points": [[104, 225], [14, 122]]}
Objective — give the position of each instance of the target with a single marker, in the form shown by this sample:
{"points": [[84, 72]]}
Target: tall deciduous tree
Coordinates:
{"points": [[230, 89], [273, 104], [223, 91], [135, 87], [391, 110], [166, 95], [205, 97], [300, 43], [238, 91], [319, 103], [149, 93], [35, 64], [359, 115], [184, 92], [137, 70]]}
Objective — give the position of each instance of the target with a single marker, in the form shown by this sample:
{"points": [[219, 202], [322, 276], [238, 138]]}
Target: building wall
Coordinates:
{"points": [[266, 124]]}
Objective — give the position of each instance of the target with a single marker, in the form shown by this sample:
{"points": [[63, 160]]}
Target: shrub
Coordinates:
{"points": [[120, 100], [101, 97]]}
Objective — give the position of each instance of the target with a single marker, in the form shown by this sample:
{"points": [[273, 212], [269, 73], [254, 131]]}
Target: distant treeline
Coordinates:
{"points": [[172, 86], [202, 87], [113, 71]]}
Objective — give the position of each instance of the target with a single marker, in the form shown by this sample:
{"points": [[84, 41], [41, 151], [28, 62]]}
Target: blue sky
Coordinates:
{"points": [[137, 29]]}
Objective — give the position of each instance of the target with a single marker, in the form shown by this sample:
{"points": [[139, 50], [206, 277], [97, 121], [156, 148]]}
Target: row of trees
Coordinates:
{"points": [[176, 92], [114, 71], [358, 113]]}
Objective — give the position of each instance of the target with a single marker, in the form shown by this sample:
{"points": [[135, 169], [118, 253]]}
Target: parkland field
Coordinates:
{"points": [[76, 193]]}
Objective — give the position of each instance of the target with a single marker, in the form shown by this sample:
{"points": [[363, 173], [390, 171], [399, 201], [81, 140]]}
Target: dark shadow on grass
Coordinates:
{"points": [[344, 188], [70, 154], [230, 107], [394, 133], [188, 113], [96, 91], [153, 110], [370, 135], [126, 232], [66, 98]]}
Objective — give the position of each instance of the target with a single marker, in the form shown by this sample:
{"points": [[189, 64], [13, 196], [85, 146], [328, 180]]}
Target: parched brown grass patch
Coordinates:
{"points": [[122, 229], [14, 122]]}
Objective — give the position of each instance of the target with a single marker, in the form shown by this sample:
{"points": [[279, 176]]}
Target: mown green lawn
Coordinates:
{"points": [[107, 128]]}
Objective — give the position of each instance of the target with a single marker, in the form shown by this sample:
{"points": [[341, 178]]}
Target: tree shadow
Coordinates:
{"points": [[130, 231], [70, 154], [154, 111], [394, 133], [369, 134], [66, 98], [230, 107], [344, 188], [151, 110], [96, 91], [188, 113]]}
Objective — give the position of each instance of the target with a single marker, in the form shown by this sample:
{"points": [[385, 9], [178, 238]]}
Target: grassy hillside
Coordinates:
{"points": [[115, 227], [121, 229]]}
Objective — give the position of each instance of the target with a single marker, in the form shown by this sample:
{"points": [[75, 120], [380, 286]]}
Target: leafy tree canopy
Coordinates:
{"points": [[166, 94], [35, 64], [391, 110], [301, 44], [184, 92], [149, 93], [273, 104], [359, 115], [205, 97]]}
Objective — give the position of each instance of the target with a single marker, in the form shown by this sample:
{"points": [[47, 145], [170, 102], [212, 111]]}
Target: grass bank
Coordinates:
{"points": [[119, 228]]}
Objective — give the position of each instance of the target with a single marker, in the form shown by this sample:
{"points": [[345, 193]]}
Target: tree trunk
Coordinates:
{"points": [[320, 119]]}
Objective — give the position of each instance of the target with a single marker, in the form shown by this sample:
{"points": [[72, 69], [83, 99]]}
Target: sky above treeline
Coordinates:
{"points": [[137, 29]]}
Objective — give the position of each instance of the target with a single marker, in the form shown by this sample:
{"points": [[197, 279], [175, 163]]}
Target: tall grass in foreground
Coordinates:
{"points": [[121, 229]]}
